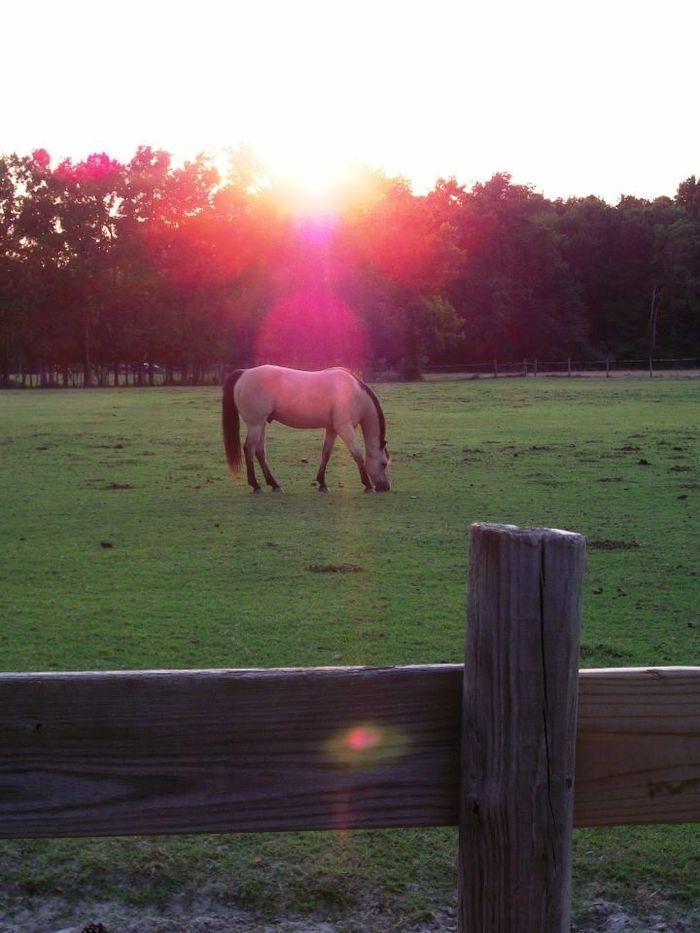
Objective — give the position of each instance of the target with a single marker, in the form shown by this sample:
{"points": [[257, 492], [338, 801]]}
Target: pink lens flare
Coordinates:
{"points": [[312, 328], [363, 738], [368, 745]]}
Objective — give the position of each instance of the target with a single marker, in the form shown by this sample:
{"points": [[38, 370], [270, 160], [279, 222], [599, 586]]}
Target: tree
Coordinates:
{"points": [[88, 196], [30, 254], [688, 196], [409, 248], [514, 290], [12, 319], [104, 264], [674, 321]]}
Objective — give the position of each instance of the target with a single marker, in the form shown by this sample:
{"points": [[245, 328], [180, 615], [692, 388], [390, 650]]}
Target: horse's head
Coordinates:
{"points": [[378, 468]]}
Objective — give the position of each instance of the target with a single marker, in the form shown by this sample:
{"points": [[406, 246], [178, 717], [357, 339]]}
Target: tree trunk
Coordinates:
{"points": [[653, 318], [87, 363]]}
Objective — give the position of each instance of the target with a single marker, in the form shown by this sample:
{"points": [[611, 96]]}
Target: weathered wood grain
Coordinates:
{"points": [[187, 751], [215, 751], [638, 746], [519, 729]]}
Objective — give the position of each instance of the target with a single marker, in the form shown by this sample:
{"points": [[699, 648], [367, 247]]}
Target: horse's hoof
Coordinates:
{"points": [[323, 488], [368, 489], [277, 489], [257, 490]]}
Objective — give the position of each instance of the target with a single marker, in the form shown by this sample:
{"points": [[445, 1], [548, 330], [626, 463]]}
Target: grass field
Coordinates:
{"points": [[126, 544]]}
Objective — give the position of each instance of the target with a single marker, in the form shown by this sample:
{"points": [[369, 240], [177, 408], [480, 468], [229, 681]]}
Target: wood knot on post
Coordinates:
{"points": [[471, 810]]}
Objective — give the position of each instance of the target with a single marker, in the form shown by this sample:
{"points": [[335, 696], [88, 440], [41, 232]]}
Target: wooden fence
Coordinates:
{"points": [[214, 373], [515, 747], [568, 367]]}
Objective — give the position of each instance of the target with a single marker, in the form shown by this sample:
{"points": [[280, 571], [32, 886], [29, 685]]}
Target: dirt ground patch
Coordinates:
{"points": [[605, 544], [201, 916], [187, 916]]}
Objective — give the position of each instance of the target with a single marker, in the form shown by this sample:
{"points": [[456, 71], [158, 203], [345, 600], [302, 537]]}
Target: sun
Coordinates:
{"points": [[312, 170], [309, 177]]}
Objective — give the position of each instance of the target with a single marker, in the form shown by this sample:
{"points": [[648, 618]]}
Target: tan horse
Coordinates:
{"points": [[333, 399]]}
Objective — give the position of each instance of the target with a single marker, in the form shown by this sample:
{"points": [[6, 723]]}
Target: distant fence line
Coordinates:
{"points": [[568, 367], [207, 374], [143, 375]]}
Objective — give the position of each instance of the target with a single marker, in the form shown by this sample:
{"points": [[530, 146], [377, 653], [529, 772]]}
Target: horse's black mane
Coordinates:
{"points": [[380, 414]]}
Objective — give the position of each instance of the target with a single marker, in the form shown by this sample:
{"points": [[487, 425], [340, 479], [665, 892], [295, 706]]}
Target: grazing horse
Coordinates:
{"points": [[333, 399]]}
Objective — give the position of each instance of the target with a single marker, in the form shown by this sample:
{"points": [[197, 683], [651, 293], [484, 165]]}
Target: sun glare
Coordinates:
{"points": [[314, 173], [311, 182], [307, 159]]}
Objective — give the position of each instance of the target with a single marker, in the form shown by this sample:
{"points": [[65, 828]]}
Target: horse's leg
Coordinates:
{"points": [[249, 448], [328, 442], [261, 454], [347, 433]]}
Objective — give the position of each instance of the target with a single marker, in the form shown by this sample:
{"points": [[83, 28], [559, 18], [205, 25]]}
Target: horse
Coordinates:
{"points": [[333, 399]]}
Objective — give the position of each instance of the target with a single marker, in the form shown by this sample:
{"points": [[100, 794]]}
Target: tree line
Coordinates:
{"points": [[109, 268]]}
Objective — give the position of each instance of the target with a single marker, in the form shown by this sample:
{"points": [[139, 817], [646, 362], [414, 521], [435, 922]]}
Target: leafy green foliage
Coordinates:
{"points": [[106, 266]]}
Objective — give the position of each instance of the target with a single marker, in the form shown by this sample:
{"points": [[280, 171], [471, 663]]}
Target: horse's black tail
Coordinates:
{"points": [[231, 423]]}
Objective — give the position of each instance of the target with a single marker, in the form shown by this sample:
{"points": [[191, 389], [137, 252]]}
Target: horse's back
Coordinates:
{"points": [[297, 398]]}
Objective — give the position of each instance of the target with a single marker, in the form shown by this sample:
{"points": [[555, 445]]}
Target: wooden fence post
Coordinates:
{"points": [[519, 729]]}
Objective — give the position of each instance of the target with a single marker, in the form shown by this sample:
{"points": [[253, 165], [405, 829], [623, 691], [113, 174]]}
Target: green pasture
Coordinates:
{"points": [[126, 544]]}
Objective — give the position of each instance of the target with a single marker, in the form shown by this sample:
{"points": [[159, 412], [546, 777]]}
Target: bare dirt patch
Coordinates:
{"points": [[334, 568], [201, 916], [604, 917], [606, 544]]}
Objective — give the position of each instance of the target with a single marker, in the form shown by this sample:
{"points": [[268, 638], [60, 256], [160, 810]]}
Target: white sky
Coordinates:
{"points": [[576, 98]]}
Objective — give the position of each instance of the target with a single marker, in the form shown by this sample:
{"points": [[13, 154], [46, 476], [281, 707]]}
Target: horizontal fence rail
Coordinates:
{"points": [[322, 748]]}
